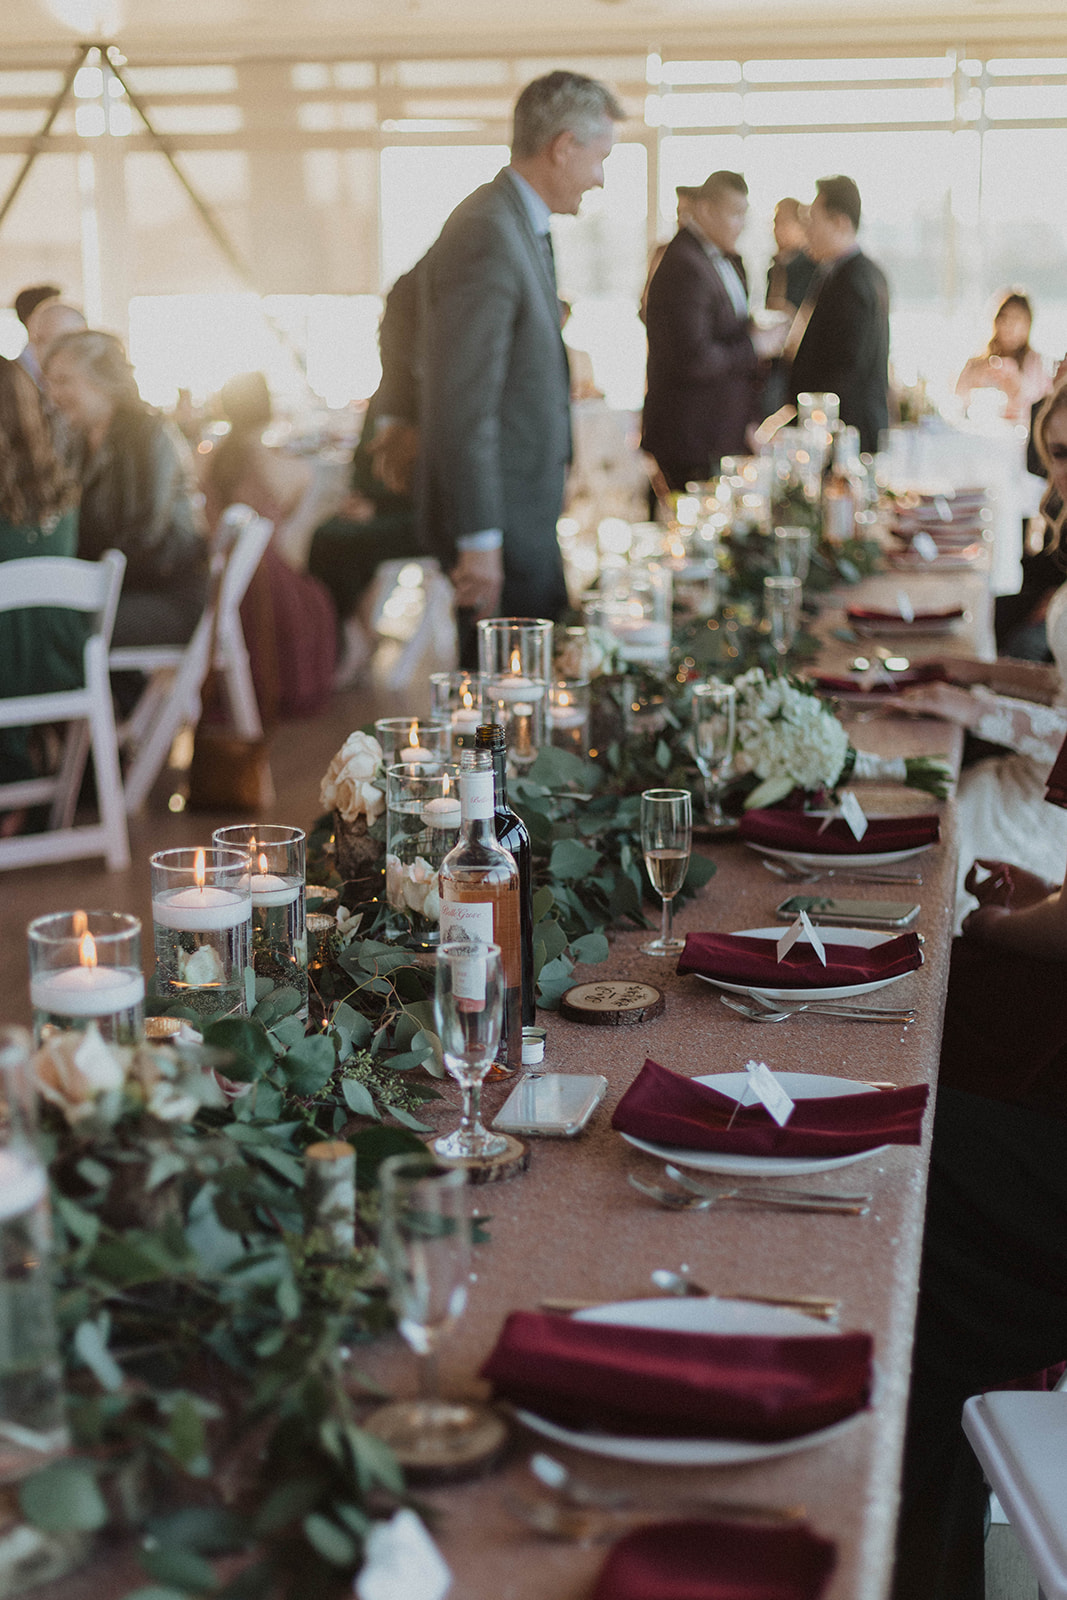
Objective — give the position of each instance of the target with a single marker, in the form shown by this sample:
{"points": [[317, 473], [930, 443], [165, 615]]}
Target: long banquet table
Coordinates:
{"points": [[571, 1227]]}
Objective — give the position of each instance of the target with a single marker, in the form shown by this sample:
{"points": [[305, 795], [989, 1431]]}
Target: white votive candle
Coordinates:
{"points": [[465, 720], [414, 753], [565, 717], [270, 890], [86, 991], [511, 690], [443, 812], [197, 910]]}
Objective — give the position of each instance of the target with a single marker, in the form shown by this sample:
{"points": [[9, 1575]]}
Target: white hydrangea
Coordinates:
{"points": [[347, 787], [785, 732]]}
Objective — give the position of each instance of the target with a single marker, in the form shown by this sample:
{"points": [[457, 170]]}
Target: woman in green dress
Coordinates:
{"points": [[40, 647]]}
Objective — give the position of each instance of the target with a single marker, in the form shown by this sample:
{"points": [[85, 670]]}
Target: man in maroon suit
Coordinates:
{"points": [[703, 385]]}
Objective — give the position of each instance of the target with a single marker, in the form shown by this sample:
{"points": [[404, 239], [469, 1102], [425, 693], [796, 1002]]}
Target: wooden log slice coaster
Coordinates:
{"points": [[510, 1163], [612, 1003], [465, 1440]]}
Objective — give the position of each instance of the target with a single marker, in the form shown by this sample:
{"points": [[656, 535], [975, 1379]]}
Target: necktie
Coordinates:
{"points": [[550, 257]]}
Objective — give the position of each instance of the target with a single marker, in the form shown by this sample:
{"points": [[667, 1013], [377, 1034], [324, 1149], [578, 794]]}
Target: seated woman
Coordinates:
{"points": [[1007, 362], [287, 615], [1000, 802], [41, 648], [993, 1286], [137, 489]]}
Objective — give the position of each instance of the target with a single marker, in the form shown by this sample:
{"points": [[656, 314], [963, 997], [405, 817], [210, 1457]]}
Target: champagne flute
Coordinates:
{"points": [[714, 727], [792, 546], [468, 1009], [781, 606], [424, 1241], [666, 839]]}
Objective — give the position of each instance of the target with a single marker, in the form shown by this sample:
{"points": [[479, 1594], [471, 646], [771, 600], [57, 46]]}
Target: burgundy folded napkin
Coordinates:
{"points": [[872, 614], [779, 829], [716, 1561], [740, 958], [662, 1384], [859, 683], [1056, 782], [666, 1108]]}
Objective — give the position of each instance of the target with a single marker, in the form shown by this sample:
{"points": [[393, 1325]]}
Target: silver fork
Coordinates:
{"points": [[798, 874], [674, 1200], [687, 1181], [771, 1013]]}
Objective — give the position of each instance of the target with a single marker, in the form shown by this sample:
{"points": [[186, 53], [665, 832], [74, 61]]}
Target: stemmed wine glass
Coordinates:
{"points": [[424, 1241], [781, 605], [666, 839], [468, 1009], [714, 728]]}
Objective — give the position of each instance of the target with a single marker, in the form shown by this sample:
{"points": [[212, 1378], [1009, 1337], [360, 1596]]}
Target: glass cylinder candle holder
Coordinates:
{"points": [[792, 546], [85, 966], [515, 660], [202, 925], [277, 882], [568, 715], [424, 740], [574, 655], [456, 699], [423, 818], [635, 608]]}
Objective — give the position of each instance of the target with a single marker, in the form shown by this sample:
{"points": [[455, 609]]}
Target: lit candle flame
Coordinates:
{"points": [[468, 700], [87, 950], [446, 787], [516, 664], [79, 923], [413, 737], [564, 698], [199, 870], [264, 864]]}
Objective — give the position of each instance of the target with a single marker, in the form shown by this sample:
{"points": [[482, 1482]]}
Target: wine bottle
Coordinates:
{"points": [[480, 893], [511, 833]]}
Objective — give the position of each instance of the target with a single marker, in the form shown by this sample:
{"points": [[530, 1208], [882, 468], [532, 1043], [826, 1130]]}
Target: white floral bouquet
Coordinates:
{"points": [[789, 739], [92, 1081], [353, 788]]}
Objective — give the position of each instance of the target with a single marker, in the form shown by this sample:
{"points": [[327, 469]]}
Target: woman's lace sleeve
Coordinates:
{"points": [[1033, 730]]}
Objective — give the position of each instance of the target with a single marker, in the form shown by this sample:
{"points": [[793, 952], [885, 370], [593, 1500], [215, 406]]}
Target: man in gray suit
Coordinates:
{"points": [[495, 392]]}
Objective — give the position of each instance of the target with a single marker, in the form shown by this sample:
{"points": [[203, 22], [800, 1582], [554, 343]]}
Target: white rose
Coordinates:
{"points": [[200, 967], [73, 1069], [394, 882], [420, 879], [167, 1102], [431, 906], [354, 796], [359, 756]]}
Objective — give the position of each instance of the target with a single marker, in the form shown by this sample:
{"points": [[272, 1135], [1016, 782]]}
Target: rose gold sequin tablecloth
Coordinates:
{"points": [[572, 1227]]}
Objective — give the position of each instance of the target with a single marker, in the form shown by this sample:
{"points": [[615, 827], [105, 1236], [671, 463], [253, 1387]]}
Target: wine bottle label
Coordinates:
{"points": [[468, 922], [476, 795]]}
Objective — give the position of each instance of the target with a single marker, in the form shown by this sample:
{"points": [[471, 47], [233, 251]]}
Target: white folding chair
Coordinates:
{"points": [[176, 673], [91, 587], [1020, 1438]]}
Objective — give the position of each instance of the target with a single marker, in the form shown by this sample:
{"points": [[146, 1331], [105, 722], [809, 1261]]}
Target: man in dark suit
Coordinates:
{"points": [[495, 389], [702, 389], [839, 341]]}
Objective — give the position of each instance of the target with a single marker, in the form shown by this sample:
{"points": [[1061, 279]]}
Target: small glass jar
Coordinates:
{"points": [[85, 967]]}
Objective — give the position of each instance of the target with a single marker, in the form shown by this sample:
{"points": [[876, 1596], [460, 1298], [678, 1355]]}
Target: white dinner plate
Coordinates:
{"points": [[798, 1086], [904, 630], [819, 858], [693, 1316], [861, 938]]}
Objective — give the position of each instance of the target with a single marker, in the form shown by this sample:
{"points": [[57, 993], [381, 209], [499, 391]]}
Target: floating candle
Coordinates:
{"points": [[443, 812], [197, 910], [566, 717], [86, 991], [511, 690]]}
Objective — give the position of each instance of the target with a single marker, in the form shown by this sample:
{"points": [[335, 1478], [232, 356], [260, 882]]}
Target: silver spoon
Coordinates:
{"points": [[812, 1305], [676, 1200], [798, 874], [756, 1014], [577, 1491], [689, 1182], [827, 1007]]}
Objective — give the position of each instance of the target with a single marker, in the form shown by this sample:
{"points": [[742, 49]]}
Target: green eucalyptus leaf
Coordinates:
{"points": [[285, 1504], [209, 1529], [701, 871], [63, 1498], [246, 1044], [590, 949], [358, 1098], [250, 990], [408, 1120], [571, 859], [542, 902], [187, 1438], [308, 1066], [82, 1224], [185, 1569], [90, 1341], [331, 1542]]}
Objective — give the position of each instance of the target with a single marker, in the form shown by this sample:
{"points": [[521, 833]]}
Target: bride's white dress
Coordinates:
{"points": [[1001, 805]]}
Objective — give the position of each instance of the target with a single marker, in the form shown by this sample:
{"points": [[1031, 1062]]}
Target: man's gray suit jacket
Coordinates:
{"points": [[495, 396]]}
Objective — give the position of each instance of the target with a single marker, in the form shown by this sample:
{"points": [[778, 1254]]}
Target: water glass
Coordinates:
{"points": [[424, 1242], [666, 839], [792, 546], [468, 1012], [714, 731], [781, 607]]}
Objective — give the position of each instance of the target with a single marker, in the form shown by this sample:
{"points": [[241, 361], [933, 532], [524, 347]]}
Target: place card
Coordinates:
{"points": [[925, 546], [904, 606], [853, 813], [802, 925], [768, 1091]]}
